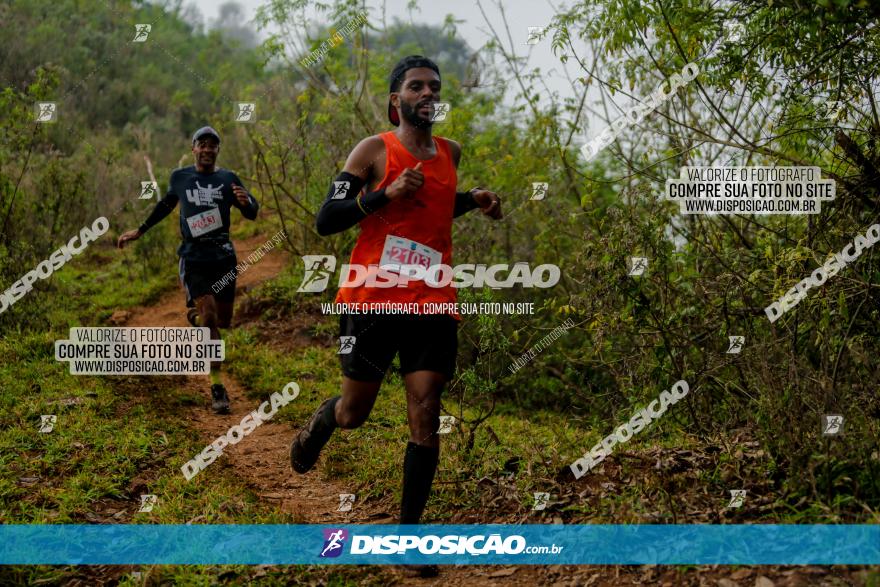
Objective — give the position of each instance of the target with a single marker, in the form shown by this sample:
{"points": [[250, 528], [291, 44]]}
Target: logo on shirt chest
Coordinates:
{"points": [[205, 196]]}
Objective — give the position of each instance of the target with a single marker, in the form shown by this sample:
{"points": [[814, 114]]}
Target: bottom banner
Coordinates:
{"points": [[441, 544]]}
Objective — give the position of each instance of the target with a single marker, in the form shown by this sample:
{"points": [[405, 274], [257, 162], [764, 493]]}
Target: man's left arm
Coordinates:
{"points": [[487, 201], [243, 200]]}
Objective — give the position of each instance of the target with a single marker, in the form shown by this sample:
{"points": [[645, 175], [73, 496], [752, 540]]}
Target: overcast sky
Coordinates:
{"points": [[520, 14]]}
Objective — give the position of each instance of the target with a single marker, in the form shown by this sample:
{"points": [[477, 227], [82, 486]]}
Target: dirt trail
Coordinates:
{"points": [[261, 460]]}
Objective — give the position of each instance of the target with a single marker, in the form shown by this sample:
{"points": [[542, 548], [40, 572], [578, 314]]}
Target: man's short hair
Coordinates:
{"points": [[399, 73], [409, 62]]}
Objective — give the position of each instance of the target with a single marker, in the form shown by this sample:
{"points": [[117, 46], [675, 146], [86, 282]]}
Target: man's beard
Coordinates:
{"points": [[413, 118]]}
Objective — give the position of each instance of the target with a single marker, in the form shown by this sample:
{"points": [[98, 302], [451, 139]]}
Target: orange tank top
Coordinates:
{"points": [[420, 223]]}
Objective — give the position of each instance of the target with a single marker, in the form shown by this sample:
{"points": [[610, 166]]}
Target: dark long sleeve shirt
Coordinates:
{"points": [[205, 203]]}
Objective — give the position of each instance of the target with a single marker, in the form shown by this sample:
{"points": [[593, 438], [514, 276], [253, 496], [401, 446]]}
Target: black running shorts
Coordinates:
{"points": [[200, 278], [425, 343]]}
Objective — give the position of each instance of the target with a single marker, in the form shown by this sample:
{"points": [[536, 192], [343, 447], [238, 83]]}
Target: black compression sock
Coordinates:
{"points": [[419, 466], [328, 418]]}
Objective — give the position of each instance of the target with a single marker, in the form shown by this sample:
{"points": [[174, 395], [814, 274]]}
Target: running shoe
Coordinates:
{"points": [[219, 399]]}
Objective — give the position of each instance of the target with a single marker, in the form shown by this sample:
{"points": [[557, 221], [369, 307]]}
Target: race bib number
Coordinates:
{"points": [[204, 222], [402, 251]]}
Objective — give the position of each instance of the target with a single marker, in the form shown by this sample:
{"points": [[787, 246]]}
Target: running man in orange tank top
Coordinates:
{"points": [[400, 187]]}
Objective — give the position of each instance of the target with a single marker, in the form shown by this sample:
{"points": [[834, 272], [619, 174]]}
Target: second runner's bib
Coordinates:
{"points": [[204, 222]]}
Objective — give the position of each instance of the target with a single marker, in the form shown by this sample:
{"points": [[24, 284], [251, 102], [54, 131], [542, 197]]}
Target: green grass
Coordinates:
{"points": [[117, 438], [368, 460], [122, 437], [112, 442]]}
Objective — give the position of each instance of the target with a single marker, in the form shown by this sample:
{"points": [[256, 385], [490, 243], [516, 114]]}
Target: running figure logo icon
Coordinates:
{"points": [[638, 266], [539, 190], [246, 112], [832, 424], [46, 111], [833, 110], [439, 112], [148, 502], [334, 541], [346, 500], [318, 269], [534, 35], [346, 344], [737, 497], [736, 344], [446, 424], [47, 423], [735, 32], [541, 499], [149, 189], [141, 32], [340, 190], [205, 196]]}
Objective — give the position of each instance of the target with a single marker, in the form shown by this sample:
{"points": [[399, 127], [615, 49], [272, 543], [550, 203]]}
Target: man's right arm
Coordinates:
{"points": [[346, 206], [163, 208]]}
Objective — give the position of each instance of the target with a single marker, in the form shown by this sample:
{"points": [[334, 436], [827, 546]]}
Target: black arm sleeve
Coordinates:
{"points": [[249, 211], [464, 202], [343, 211], [163, 208]]}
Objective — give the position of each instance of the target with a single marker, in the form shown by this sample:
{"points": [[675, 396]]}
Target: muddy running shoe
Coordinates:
{"points": [[309, 441], [219, 399], [192, 316]]}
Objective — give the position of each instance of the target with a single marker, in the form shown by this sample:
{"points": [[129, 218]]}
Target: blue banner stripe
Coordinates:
{"points": [[467, 544]]}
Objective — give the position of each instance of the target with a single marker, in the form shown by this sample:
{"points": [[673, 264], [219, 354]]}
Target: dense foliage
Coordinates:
{"points": [[798, 87]]}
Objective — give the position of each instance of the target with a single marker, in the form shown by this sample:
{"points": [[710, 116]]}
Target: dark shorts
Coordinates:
{"points": [[202, 278], [425, 343]]}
